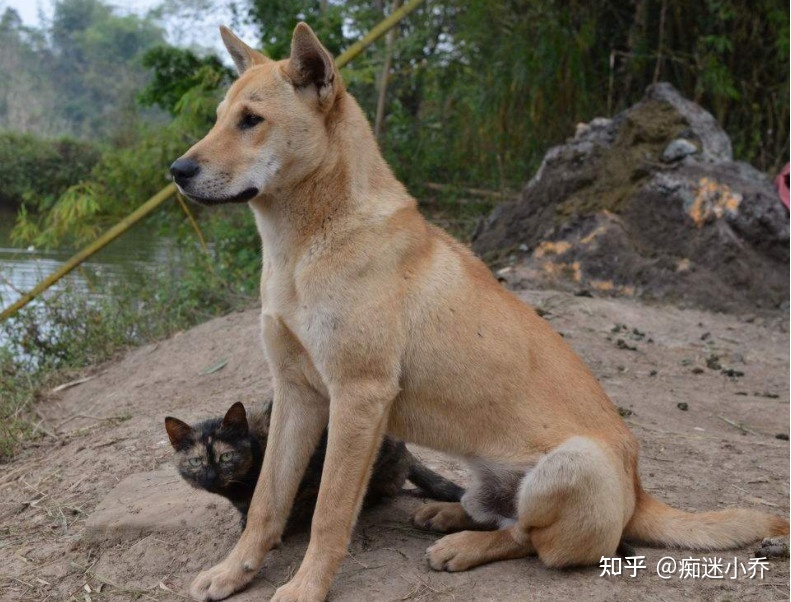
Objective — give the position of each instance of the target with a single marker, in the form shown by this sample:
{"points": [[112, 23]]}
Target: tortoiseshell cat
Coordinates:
{"points": [[224, 456]]}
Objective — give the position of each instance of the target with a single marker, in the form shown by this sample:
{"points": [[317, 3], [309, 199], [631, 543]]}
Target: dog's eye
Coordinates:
{"points": [[249, 120]]}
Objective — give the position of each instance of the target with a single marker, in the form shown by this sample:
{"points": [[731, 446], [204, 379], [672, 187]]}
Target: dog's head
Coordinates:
{"points": [[271, 128]]}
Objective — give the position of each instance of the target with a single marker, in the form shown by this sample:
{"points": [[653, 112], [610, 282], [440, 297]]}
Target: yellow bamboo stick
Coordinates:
{"points": [[192, 221], [378, 31], [106, 238], [159, 198]]}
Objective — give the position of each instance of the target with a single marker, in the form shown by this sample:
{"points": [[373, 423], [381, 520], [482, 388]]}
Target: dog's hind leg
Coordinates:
{"points": [[465, 550], [575, 503], [572, 509], [446, 517], [488, 503]]}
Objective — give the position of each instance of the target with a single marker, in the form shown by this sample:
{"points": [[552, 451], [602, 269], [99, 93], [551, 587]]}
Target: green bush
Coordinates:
{"points": [[38, 170], [124, 177]]}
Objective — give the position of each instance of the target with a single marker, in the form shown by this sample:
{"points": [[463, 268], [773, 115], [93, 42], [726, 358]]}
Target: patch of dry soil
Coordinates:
{"points": [[93, 511]]}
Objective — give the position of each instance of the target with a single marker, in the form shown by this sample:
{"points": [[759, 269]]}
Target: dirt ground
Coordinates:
{"points": [[92, 510]]}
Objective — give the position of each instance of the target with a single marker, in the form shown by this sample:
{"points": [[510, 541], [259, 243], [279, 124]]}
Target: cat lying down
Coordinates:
{"points": [[224, 456]]}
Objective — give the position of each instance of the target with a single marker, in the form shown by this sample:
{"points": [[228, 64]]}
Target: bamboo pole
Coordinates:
{"points": [[106, 238], [384, 77], [378, 31], [164, 194]]}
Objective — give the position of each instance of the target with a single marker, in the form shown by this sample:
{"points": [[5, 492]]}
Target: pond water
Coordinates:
{"points": [[141, 248]]}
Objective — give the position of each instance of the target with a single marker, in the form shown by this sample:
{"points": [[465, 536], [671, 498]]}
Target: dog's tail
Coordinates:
{"points": [[432, 484], [656, 523]]}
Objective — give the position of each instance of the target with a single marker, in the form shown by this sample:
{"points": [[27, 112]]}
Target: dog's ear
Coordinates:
{"points": [[311, 64], [235, 418], [178, 431], [243, 56]]}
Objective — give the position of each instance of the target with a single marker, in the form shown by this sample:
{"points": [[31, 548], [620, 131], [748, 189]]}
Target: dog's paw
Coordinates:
{"points": [[220, 581], [453, 553], [442, 517], [295, 591]]}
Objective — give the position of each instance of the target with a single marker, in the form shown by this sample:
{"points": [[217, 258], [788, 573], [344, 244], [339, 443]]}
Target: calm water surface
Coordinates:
{"points": [[22, 268]]}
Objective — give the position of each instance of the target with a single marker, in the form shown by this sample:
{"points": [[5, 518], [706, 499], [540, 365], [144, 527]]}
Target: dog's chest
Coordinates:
{"points": [[310, 321]]}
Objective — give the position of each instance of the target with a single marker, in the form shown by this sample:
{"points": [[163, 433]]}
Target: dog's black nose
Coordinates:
{"points": [[183, 169]]}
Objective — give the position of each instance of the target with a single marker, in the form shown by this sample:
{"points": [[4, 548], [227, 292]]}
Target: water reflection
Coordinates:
{"points": [[141, 248]]}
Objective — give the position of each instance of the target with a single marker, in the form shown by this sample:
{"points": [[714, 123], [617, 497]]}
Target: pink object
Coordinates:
{"points": [[781, 184]]}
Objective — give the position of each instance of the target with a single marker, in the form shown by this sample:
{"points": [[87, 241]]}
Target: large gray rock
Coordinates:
{"points": [[154, 502], [650, 204]]}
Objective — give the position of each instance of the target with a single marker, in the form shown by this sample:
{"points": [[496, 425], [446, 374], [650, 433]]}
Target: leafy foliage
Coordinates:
{"points": [[40, 169], [177, 71], [79, 76]]}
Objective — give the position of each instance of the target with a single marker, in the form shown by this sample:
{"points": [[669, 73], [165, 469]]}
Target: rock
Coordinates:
{"points": [[715, 144], [678, 149], [626, 207], [154, 502], [773, 547]]}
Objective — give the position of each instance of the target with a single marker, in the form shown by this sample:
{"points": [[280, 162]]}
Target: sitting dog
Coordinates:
{"points": [[375, 322]]}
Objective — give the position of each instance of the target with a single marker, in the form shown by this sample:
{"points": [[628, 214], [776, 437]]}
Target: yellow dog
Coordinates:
{"points": [[375, 322]]}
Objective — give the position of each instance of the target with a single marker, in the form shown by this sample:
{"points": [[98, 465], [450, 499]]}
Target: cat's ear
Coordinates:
{"points": [[235, 418], [178, 431]]}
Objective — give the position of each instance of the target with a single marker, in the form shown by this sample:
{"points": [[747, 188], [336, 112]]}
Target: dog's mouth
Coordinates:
{"points": [[242, 197]]}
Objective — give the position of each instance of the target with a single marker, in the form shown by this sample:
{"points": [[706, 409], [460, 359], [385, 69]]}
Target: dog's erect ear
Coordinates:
{"points": [[312, 64], [235, 418], [243, 56], [178, 431]]}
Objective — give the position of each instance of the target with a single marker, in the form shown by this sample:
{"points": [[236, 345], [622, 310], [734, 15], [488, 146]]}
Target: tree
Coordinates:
{"points": [[26, 99], [97, 64]]}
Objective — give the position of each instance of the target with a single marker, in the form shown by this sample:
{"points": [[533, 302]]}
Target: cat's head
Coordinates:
{"points": [[216, 453]]}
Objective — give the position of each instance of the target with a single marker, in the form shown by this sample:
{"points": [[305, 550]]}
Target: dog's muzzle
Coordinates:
{"points": [[183, 170]]}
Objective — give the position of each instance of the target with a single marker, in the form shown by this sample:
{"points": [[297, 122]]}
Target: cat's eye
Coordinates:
{"points": [[196, 461], [226, 457], [249, 121]]}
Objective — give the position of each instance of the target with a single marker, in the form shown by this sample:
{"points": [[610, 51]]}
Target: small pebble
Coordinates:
{"points": [[678, 149], [683, 406], [732, 373], [782, 436]]}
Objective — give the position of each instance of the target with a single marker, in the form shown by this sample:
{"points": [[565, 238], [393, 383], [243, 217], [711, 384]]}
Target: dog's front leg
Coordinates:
{"points": [[299, 415], [358, 419]]}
